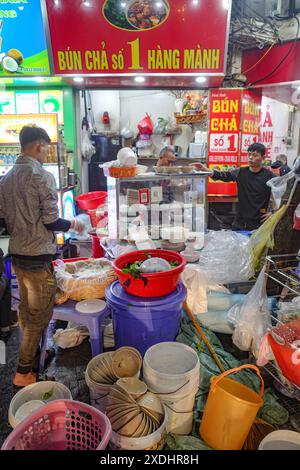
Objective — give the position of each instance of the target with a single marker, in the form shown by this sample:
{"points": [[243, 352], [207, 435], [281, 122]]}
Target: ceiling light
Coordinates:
{"points": [[195, 2], [123, 4], [56, 2], [159, 4], [201, 79], [139, 79], [86, 3], [78, 79]]}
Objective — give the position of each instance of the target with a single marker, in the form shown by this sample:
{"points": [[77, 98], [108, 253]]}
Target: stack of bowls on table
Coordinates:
{"points": [[137, 416], [106, 369]]}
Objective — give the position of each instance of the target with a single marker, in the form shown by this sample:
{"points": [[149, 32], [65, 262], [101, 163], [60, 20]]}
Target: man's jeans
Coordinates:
{"points": [[37, 292]]}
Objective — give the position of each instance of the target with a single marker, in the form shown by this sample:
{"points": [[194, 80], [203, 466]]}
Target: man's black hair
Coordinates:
{"points": [[257, 147], [30, 134]]}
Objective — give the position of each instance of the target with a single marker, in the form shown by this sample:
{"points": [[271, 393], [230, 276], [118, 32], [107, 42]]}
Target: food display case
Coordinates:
{"points": [[166, 206]]}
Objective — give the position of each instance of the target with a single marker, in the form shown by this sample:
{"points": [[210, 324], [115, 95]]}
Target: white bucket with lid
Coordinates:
{"points": [[172, 370]]}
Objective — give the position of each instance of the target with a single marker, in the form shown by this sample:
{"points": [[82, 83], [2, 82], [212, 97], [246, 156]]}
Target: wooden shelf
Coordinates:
{"points": [[190, 118]]}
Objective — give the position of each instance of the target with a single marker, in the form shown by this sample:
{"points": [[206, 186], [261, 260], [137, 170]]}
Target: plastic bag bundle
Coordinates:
{"points": [[263, 238], [155, 265], [160, 127], [226, 257], [87, 147], [278, 186], [255, 318], [145, 125], [70, 337], [86, 279]]}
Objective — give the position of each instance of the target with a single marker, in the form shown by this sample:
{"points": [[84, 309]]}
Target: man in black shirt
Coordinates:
{"points": [[253, 192]]}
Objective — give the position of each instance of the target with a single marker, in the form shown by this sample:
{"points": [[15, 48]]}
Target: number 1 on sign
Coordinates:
{"points": [[231, 139], [135, 55]]}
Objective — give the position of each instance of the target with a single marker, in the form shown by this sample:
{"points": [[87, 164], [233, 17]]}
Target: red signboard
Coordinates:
{"points": [[224, 137], [251, 115], [138, 36]]}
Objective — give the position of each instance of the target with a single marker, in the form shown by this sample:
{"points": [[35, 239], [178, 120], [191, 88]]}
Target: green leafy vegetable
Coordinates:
{"points": [[47, 395]]}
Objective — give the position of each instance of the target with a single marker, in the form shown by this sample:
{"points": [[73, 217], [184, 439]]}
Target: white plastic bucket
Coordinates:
{"points": [[281, 440], [154, 441], [172, 370], [36, 391]]}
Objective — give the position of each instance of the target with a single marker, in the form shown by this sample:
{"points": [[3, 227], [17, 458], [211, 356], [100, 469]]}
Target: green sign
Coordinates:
{"points": [[23, 49]]}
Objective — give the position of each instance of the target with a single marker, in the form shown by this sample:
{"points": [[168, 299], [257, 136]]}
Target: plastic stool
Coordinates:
{"points": [[93, 322]]}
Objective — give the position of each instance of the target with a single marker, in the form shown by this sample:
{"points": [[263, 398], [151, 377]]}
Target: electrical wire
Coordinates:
{"points": [[282, 60], [256, 63]]}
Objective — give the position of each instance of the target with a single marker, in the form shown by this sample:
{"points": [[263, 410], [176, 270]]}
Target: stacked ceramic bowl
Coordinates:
{"points": [[132, 410], [111, 366]]}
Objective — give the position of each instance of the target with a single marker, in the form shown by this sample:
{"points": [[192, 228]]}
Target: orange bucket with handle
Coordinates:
{"points": [[230, 411]]}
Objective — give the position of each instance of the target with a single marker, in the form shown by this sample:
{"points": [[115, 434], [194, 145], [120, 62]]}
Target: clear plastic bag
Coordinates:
{"points": [[70, 337], [160, 127], [155, 265], [226, 257], [278, 186], [254, 319]]}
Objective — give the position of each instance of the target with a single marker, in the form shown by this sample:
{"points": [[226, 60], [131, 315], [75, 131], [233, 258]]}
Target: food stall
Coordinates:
{"points": [[164, 297]]}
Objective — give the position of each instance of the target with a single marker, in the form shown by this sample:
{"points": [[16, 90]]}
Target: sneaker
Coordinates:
{"points": [[22, 380]]}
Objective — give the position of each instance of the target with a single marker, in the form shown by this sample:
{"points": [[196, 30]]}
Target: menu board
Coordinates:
{"points": [[224, 137], [11, 125]]}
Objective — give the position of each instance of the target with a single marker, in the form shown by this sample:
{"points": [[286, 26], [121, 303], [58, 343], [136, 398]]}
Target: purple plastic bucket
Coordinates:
{"points": [[142, 322]]}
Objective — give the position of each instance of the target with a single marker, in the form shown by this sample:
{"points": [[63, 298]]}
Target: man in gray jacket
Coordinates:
{"points": [[29, 206]]}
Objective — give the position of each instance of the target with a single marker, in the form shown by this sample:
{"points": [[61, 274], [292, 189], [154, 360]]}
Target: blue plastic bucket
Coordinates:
{"points": [[142, 322]]}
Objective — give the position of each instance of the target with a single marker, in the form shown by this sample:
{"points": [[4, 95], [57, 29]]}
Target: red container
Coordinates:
{"points": [[285, 343], [96, 217], [96, 247], [91, 200], [149, 285]]}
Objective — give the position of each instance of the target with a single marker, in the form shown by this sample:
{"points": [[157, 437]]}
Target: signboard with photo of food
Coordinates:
{"points": [[11, 125], [136, 14]]}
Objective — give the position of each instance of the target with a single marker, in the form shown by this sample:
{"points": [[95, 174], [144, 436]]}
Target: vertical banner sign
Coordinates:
{"points": [[224, 137], [138, 36], [251, 116], [23, 49]]}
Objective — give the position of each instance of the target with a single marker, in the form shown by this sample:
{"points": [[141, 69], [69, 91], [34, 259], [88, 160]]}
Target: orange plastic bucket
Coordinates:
{"points": [[230, 411]]}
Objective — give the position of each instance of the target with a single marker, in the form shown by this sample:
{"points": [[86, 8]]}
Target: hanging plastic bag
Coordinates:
{"points": [[226, 257], [278, 186], [160, 127], [255, 318], [145, 125], [296, 225]]}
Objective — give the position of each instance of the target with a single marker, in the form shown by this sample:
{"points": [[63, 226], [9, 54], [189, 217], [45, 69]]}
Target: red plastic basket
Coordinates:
{"points": [[61, 425], [285, 343], [91, 200], [154, 284]]}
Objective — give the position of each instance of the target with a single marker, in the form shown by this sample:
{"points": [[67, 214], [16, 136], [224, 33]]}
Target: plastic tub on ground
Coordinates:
{"points": [[46, 391], [281, 440], [143, 322]]}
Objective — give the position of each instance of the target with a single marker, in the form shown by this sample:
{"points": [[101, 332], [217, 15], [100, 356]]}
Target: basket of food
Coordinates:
{"points": [[84, 279], [149, 273], [122, 171]]}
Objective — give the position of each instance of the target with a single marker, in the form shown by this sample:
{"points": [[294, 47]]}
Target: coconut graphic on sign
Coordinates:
{"points": [[12, 60], [9, 64]]}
